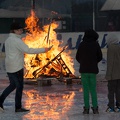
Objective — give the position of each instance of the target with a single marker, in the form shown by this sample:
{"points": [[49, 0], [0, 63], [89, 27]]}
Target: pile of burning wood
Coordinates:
{"points": [[55, 63]]}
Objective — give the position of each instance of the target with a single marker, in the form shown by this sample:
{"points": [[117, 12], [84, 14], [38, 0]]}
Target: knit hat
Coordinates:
{"points": [[112, 39], [15, 26]]}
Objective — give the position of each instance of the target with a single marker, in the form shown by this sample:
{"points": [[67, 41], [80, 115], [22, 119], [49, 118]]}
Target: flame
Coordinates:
{"points": [[45, 37]]}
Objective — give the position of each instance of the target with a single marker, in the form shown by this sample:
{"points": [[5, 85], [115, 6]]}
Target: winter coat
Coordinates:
{"points": [[14, 50], [113, 62], [89, 53]]}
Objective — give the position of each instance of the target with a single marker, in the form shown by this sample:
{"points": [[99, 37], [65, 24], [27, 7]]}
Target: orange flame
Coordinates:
{"points": [[37, 38]]}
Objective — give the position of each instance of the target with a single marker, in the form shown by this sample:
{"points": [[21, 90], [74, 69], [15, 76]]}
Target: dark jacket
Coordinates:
{"points": [[89, 53]]}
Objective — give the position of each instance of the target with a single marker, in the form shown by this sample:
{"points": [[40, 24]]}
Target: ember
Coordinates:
{"points": [[51, 64]]}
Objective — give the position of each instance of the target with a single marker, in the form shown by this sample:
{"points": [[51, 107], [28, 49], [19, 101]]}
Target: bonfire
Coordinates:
{"points": [[55, 62]]}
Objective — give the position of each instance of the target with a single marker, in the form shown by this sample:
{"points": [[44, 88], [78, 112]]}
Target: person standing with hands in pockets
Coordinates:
{"points": [[14, 62], [89, 54]]}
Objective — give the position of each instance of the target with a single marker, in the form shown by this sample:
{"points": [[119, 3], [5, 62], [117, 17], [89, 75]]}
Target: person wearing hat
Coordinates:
{"points": [[113, 72], [89, 54], [14, 62]]}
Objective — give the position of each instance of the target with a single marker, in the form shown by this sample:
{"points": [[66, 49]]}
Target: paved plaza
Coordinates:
{"points": [[56, 102]]}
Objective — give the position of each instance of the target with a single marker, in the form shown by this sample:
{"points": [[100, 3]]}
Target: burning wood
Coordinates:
{"points": [[53, 63], [59, 60]]}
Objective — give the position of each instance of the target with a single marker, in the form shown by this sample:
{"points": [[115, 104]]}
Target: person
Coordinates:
{"points": [[88, 55], [113, 73], [111, 26], [14, 62]]}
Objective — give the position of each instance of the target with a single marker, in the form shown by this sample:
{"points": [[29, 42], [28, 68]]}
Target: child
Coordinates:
{"points": [[88, 55]]}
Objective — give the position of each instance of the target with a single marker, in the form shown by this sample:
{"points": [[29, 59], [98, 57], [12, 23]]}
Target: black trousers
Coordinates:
{"points": [[114, 93], [16, 82]]}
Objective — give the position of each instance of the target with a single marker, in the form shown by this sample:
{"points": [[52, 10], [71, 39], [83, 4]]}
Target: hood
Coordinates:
{"points": [[90, 35], [112, 38]]}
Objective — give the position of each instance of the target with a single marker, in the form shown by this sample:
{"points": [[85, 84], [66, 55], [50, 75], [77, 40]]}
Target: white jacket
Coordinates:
{"points": [[14, 50]]}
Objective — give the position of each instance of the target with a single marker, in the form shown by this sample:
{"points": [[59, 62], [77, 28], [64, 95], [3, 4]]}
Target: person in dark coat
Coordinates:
{"points": [[89, 54]]}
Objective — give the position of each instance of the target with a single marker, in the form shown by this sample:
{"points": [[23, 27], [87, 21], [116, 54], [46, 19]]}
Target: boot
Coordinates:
{"points": [[86, 111], [1, 105], [95, 110]]}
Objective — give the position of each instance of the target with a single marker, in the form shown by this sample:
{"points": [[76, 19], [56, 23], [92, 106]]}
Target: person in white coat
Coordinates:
{"points": [[14, 62], [113, 73]]}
